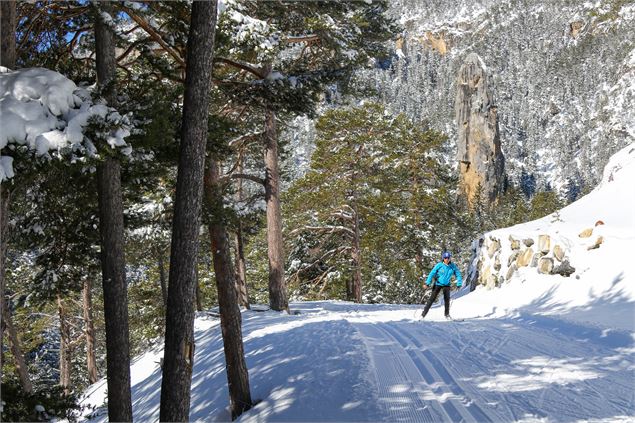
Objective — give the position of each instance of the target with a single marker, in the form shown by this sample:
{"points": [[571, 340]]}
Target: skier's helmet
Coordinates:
{"points": [[447, 255]]}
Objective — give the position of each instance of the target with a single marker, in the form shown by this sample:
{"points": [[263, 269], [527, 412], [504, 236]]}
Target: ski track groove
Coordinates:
{"points": [[392, 371], [472, 410], [418, 368]]}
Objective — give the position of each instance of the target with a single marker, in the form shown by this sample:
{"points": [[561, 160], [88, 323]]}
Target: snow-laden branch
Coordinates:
{"points": [[342, 215], [46, 112], [254, 136]]}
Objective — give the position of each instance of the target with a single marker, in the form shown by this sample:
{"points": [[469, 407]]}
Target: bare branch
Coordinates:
{"points": [[328, 229], [253, 178], [244, 66], [308, 39], [154, 35]]}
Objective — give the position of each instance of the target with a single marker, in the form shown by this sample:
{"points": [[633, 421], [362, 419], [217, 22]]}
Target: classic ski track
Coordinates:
{"points": [[424, 377], [392, 370], [418, 361], [500, 338], [460, 406]]}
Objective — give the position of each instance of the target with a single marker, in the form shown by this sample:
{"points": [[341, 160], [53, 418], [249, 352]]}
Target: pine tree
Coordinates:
{"points": [[179, 342], [112, 242], [543, 204], [366, 209], [304, 52]]}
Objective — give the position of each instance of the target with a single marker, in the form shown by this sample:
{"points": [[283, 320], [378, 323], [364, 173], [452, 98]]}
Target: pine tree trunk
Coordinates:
{"points": [[230, 317], [277, 289], [115, 291], [65, 353], [199, 299], [112, 242], [7, 33], [241, 267], [163, 280], [179, 342], [4, 235], [350, 296], [357, 261], [415, 210], [7, 59], [89, 331], [16, 349]]}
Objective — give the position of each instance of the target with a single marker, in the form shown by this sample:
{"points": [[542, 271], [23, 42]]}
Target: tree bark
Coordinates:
{"points": [[277, 289], [65, 353], [89, 331], [4, 232], [7, 33], [241, 267], [16, 349], [179, 342], [163, 280], [198, 298], [357, 261], [112, 242], [115, 291], [230, 317], [7, 59]]}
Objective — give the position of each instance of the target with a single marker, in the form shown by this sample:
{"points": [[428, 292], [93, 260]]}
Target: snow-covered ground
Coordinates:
{"points": [[540, 348]]}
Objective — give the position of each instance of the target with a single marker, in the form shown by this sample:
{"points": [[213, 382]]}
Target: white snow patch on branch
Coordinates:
{"points": [[47, 112]]}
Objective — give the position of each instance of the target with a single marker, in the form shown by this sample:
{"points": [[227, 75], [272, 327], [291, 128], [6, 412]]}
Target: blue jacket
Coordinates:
{"points": [[443, 272]]}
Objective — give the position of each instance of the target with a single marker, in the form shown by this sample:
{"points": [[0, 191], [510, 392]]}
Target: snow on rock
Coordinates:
{"points": [[581, 251], [47, 112]]}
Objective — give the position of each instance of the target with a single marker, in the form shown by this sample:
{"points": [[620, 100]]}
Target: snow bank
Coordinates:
{"points": [[595, 235]]}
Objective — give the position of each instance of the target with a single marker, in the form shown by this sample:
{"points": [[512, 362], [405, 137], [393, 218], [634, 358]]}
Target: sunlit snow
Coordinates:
{"points": [[540, 348]]}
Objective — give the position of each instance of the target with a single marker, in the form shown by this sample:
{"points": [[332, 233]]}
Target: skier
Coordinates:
{"points": [[442, 272]]}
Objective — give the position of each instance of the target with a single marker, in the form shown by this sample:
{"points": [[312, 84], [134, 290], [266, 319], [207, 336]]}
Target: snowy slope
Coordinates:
{"points": [[540, 348], [602, 289]]}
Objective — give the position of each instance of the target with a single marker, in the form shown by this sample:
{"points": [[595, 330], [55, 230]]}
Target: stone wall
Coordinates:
{"points": [[496, 259]]}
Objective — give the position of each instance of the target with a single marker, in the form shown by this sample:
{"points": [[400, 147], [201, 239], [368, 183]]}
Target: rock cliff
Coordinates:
{"points": [[562, 73], [481, 162]]}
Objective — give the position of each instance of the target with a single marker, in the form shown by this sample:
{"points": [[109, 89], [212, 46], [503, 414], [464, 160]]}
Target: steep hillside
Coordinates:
{"points": [[575, 262], [563, 73]]}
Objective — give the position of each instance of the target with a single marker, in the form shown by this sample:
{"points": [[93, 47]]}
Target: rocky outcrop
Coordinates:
{"points": [[575, 28], [562, 70], [544, 243], [558, 252], [481, 161], [545, 265], [586, 233], [436, 42]]}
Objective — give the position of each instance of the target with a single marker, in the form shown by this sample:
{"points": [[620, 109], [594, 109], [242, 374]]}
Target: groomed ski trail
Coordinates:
{"points": [[491, 370]]}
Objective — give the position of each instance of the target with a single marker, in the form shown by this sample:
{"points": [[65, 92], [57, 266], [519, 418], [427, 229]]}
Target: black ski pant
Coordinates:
{"points": [[433, 297]]}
